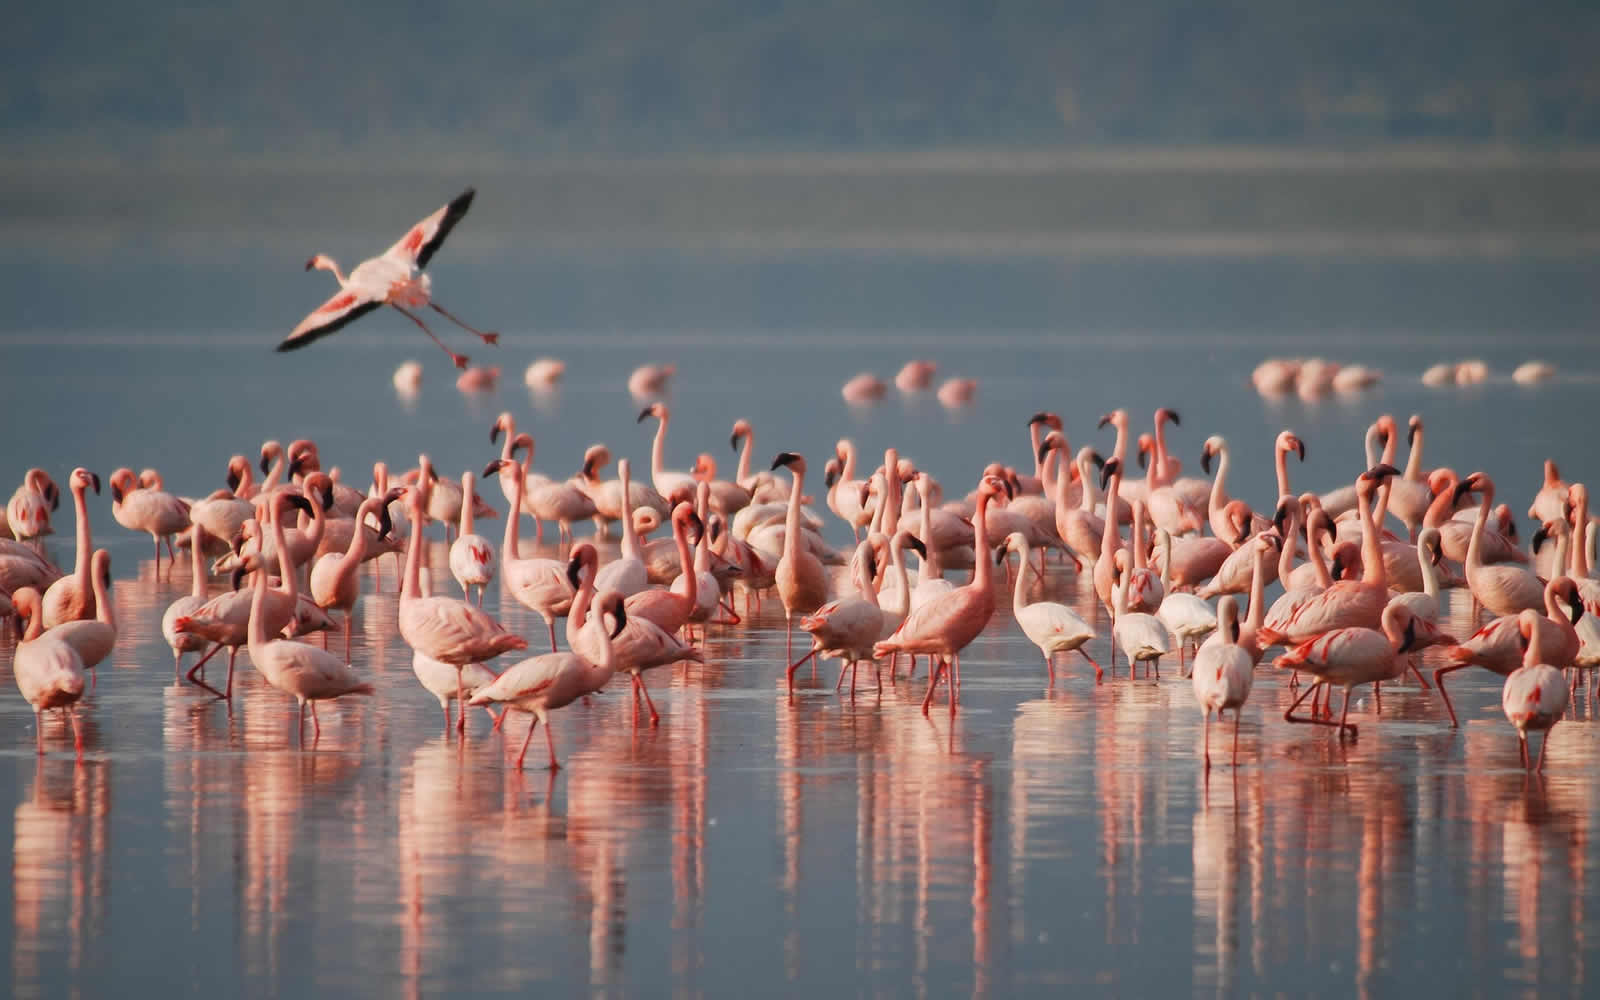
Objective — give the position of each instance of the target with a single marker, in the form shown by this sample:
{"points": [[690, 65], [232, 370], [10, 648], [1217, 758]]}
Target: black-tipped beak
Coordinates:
{"points": [[699, 528], [1144, 459], [1011, 491], [1539, 537], [105, 581], [295, 467], [643, 415], [1436, 553], [1103, 421], [238, 544], [1172, 415], [1411, 432], [234, 479], [1382, 471], [433, 475], [1575, 601], [237, 580], [1462, 489], [116, 492], [573, 565], [385, 523], [1300, 449], [1280, 517], [327, 497], [94, 479], [587, 472], [1205, 460], [299, 503], [1236, 631], [872, 566], [1098, 459], [494, 466], [620, 612], [1044, 449], [494, 433], [1244, 533], [266, 463], [783, 459], [53, 495], [830, 477], [1336, 569], [1000, 555], [733, 442], [1038, 418], [1107, 471], [916, 545], [1411, 635]]}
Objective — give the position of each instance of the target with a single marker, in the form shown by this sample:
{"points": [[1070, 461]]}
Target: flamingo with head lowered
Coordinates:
{"points": [[394, 278]]}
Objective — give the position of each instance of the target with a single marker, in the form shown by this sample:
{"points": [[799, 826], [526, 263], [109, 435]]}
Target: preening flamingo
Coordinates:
{"points": [[472, 559], [394, 278], [48, 671], [28, 510]]}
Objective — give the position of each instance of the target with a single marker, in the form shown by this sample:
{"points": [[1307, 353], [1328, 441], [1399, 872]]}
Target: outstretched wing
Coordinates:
{"points": [[417, 247], [330, 317]]}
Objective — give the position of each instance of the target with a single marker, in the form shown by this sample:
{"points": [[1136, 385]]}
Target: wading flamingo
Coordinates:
{"points": [[1223, 673], [1535, 695], [48, 671], [71, 598]]}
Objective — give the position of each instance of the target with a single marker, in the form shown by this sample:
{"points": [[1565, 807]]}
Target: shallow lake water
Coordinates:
{"points": [[1040, 838]]}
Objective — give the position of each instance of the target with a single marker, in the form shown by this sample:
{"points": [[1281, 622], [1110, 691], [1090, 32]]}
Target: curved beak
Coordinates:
{"points": [[1044, 449], [1144, 459], [494, 433], [495, 466], [385, 522], [733, 441], [94, 478], [830, 477], [1280, 517], [1540, 535], [1300, 448], [1172, 415], [1411, 432], [1107, 471], [783, 459], [573, 566], [1106, 419], [1205, 460], [916, 544], [299, 503], [234, 479], [1575, 600], [619, 611], [1411, 636], [266, 463], [116, 491], [643, 415], [237, 579]]}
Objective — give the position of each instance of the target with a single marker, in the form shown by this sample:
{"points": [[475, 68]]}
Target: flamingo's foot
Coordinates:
{"points": [[490, 338]]}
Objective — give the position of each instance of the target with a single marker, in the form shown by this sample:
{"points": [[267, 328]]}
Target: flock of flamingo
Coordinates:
{"points": [[1178, 563]]}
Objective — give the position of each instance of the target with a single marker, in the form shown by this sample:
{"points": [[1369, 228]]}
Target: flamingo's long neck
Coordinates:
{"points": [[608, 658], [1314, 553], [247, 479], [274, 472], [508, 543], [410, 584], [849, 470], [1371, 552], [982, 570], [1430, 575], [1109, 539], [197, 565], [291, 586], [1282, 461], [1552, 610], [1088, 494], [256, 630], [630, 538], [743, 475], [358, 539], [1161, 449], [680, 537], [467, 494], [1122, 439], [791, 519], [326, 263], [930, 568], [1019, 597], [1441, 508], [891, 483], [1414, 459], [1137, 536], [1391, 444], [104, 612], [1166, 563], [1219, 485], [1534, 654], [1369, 446], [580, 608], [1033, 441], [897, 566], [319, 521], [1061, 487], [1256, 615], [1291, 535], [1580, 539], [1475, 542], [80, 568], [658, 450]]}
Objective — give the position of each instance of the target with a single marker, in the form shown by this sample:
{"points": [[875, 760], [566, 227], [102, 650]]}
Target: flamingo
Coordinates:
{"points": [[1219, 508], [666, 482], [650, 380], [707, 586], [669, 610], [727, 497], [1246, 639], [96, 637], [863, 389], [1550, 502], [333, 581], [541, 684], [297, 668], [945, 625], [1142, 636], [638, 646], [154, 512], [72, 597], [1186, 616], [847, 628], [540, 585], [1354, 655], [1496, 648], [1343, 499], [1348, 603], [48, 671], [609, 501], [446, 629], [1424, 603], [1167, 508], [1054, 628], [472, 559], [915, 376], [28, 510], [188, 605], [1503, 588], [394, 278], [802, 585], [1534, 696], [1223, 674], [627, 575]]}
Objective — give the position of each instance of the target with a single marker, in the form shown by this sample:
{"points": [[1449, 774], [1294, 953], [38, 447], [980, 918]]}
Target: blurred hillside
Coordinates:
{"points": [[601, 76]]}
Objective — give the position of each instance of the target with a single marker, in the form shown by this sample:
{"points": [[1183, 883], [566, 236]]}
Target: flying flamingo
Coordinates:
{"points": [[1223, 673], [446, 629], [945, 625], [48, 671], [1534, 696], [1054, 628], [395, 278], [71, 598]]}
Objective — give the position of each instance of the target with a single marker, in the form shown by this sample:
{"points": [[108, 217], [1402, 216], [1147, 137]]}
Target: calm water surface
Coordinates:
{"points": [[1040, 839]]}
